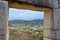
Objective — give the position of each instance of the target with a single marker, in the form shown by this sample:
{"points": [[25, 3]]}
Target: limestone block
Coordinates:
{"points": [[3, 20], [49, 34], [56, 16], [58, 34], [46, 3], [47, 39], [2, 37]]}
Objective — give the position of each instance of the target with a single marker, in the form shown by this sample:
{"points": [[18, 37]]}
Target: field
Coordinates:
{"points": [[25, 35], [25, 31]]}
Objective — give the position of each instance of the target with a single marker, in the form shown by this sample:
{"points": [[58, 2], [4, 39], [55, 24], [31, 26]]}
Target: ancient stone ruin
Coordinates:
{"points": [[51, 10]]}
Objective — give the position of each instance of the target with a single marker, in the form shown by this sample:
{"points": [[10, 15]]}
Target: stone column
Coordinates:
{"points": [[48, 32], [3, 20]]}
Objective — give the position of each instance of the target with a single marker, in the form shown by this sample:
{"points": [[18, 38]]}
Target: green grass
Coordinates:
{"points": [[37, 37]]}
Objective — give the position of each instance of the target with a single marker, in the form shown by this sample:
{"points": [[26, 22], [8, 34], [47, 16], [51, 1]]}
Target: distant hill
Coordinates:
{"points": [[35, 21]]}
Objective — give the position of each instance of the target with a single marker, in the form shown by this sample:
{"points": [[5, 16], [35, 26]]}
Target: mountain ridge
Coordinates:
{"points": [[35, 21]]}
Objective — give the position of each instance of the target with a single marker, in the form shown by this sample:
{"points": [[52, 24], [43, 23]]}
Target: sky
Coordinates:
{"points": [[20, 14]]}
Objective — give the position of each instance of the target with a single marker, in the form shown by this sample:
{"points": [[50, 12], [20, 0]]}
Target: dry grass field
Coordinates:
{"points": [[19, 31], [25, 35]]}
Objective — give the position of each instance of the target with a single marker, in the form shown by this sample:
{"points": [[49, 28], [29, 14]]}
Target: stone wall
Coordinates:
{"points": [[51, 21], [47, 3], [56, 14], [48, 33], [3, 20]]}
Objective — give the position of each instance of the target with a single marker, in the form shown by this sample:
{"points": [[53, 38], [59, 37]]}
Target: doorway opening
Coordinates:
{"points": [[25, 24]]}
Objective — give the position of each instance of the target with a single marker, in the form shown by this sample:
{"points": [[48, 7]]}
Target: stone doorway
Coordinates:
{"points": [[31, 28], [48, 22], [48, 19]]}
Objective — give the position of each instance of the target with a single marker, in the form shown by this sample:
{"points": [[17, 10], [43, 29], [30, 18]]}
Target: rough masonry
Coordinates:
{"points": [[3, 20], [51, 20]]}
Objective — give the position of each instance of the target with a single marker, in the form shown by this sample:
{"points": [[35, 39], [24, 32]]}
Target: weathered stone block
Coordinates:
{"points": [[47, 39], [56, 14], [2, 32], [58, 34], [3, 20], [46, 3], [2, 38], [49, 33]]}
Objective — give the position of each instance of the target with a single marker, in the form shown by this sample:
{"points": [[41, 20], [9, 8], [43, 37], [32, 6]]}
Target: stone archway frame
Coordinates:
{"points": [[48, 18]]}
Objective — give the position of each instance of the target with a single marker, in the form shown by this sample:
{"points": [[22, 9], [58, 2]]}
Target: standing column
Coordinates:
{"points": [[48, 33], [3, 20]]}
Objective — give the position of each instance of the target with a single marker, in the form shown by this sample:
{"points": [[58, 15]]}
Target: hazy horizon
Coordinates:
{"points": [[20, 14], [27, 20]]}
